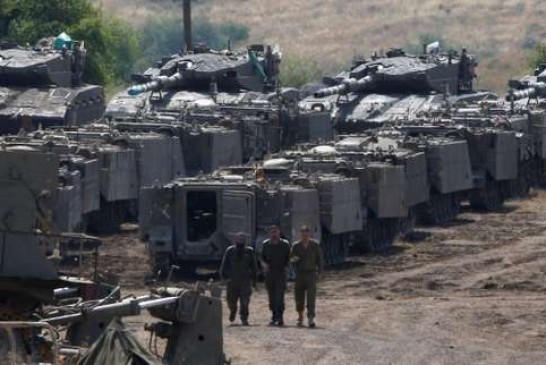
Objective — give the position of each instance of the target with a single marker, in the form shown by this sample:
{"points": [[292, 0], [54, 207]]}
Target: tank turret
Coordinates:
{"points": [[398, 73], [206, 70], [43, 86], [392, 87], [52, 61]]}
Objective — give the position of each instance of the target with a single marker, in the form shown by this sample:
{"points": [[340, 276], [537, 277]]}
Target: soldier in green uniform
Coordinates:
{"points": [[239, 268], [306, 255], [275, 259]]}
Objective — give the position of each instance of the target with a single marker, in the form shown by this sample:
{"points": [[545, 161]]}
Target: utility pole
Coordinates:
{"points": [[187, 26]]}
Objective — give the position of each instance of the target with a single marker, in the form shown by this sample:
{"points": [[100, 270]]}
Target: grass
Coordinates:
{"points": [[332, 32]]}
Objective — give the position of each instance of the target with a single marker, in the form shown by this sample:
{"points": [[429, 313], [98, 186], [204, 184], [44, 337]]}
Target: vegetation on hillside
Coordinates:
{"points": [[538, 56], [297, 71]]}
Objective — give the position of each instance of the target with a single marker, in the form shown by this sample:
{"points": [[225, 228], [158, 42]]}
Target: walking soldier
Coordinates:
{"points": [[239, 269], [275, 259], [306, 255]]}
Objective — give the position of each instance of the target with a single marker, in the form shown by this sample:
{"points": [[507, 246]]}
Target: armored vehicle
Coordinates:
{"points": [[207, 95], [527, 95], [42, 86], [398, 180], [192, 221], [46, 317], [392, 86], [101, 171]]}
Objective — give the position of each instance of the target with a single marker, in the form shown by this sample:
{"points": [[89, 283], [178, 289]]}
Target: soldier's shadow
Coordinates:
{"points": [[250, 325]]}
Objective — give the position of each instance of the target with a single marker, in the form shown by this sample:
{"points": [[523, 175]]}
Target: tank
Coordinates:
{"points": [[42, 85], [193, 80], [45, 313], [205, 91], [393, 86]]}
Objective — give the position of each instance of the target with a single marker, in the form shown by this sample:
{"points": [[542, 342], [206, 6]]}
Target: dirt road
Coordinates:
{"points": [[471, 292]]}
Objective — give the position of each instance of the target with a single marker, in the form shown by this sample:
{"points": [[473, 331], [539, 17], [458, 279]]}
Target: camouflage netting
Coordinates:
{"points": [[118, 346]]}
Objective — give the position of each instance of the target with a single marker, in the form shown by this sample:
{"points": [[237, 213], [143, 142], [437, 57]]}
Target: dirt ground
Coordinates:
{"points": [[470, 292]]}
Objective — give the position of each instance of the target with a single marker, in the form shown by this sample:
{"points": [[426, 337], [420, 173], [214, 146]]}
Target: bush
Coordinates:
{"points": [[538, 56], [297, 71]]}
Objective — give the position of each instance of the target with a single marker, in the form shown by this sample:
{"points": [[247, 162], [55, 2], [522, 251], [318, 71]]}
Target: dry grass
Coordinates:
{"points": [[333, 31]]}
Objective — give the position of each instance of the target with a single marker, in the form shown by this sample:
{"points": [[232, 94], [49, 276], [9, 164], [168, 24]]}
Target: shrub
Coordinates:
{"points": [[297, 71]]}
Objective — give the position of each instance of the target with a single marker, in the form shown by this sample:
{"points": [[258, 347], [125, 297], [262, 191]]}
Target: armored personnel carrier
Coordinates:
{"points": [[42, 86], [101, 171], [527, 95], [391, 87], [193, 220]]}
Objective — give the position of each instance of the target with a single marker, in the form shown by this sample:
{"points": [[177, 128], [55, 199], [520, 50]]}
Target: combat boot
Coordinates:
{"points": [[300, 319], [280, 321], [232, 316], [273, 320], [311, 323]]}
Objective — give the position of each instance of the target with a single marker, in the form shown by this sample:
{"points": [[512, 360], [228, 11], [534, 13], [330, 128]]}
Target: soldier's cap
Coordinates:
{"points": [[305, 228], [273, 226]]}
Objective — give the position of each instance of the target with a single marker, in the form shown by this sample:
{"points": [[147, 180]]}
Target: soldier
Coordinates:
{"points": [[306, 255], [275, 259], [239, 268]]}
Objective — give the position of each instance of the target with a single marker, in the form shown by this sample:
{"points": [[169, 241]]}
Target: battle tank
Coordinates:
{"points": [[391, 87], [208, 93], [42, 85], [203, 91], [48, 317]]}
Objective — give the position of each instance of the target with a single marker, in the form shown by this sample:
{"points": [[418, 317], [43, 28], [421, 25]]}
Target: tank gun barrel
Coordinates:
{"points": [[347, 85], [534, 90], [157, 83], [131, 307]]}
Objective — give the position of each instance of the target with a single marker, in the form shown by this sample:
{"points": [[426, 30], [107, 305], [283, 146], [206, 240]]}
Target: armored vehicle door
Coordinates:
{"points": [[238, 214]]}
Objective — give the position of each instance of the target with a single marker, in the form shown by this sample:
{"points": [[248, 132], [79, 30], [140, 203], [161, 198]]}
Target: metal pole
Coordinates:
{"points": [[187, 26]]}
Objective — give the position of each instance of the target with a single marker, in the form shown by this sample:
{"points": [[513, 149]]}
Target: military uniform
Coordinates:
{"points": [[277, 257], [309, 262], [240, 269]]}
